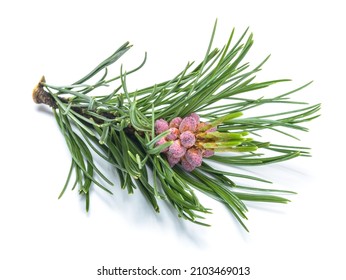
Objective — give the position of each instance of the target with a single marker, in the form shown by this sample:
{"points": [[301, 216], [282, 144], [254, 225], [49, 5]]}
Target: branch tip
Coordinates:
{"points": [[40, 96]]}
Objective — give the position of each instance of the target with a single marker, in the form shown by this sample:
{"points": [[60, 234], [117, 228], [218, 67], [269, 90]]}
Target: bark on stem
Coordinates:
{"points": [[40, 96]]}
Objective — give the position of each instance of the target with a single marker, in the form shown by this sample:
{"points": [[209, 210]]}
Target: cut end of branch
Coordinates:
{"points": [[40, 96]]}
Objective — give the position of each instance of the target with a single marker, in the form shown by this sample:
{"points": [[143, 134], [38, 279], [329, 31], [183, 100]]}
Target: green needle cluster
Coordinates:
{"points": [[119, 128]]}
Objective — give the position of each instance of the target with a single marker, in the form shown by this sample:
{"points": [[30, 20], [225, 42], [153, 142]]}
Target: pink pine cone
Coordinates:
{"points": [[183, 134], [176, 149], [173, 135], [186, 165], [208, 153], [196, 117], [187, 139], [172, 160], [175, 122], [194, 157], [188, 124], [160, 126]]}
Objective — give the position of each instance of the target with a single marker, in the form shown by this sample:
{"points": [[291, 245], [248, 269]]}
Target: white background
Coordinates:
{"points": [[42, 237]]}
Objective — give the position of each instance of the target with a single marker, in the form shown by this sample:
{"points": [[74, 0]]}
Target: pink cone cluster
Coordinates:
{"points": [[185, 149]]}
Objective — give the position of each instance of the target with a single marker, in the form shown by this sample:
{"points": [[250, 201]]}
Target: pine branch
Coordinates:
{"points": [[174, 128]]}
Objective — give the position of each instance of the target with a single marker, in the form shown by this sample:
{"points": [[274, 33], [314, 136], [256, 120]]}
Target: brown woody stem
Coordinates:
{"points": [[40, 96]]}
